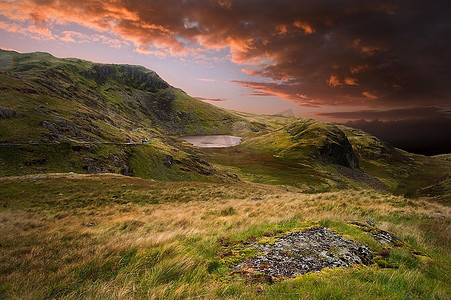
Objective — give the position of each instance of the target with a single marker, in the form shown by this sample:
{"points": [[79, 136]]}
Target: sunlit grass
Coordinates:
{"points": [[108, 236]]}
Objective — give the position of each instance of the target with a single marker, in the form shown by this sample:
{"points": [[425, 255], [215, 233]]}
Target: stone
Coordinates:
{"points": [[301, 252], [371, 223], [8, 113], [167, 160]]}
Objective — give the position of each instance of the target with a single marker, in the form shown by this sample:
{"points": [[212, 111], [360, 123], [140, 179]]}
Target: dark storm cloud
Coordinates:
{"points": [[361, 55], [356, 53], [427, 136], [393, 114], [419, 129]]}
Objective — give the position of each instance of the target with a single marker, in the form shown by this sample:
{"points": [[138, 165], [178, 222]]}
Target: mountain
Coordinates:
{"points": [[72, 115], [90, 117], [76, 100], [100, 198]]}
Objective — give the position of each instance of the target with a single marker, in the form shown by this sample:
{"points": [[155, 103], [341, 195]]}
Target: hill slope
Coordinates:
{"points": [[109, 110], [115, 237], [54, 99], [76, 236], [71, 115]]}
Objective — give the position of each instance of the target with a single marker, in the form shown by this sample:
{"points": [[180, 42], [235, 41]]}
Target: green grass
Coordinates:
{"points": [[258, 167], [91, 102], [75, 235], [145, 161], [162, 239]]}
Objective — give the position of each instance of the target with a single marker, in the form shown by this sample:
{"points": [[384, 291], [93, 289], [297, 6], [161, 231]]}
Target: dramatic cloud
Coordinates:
{"points": [[315, 53], [419, 129], [427, 136], [391, 115]]}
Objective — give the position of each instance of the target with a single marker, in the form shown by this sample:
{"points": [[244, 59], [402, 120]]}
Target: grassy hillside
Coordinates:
{"points": [[316, 156], [101, 113], [71, 99], [178, 222], [70, 236], [98, 111], [401, 172]]}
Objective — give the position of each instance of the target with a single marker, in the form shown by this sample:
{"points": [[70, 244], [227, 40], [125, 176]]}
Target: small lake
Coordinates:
{"points": [[212, 141]]}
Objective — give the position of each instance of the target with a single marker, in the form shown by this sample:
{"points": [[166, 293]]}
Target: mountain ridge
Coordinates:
{"points": [[99, 115]]}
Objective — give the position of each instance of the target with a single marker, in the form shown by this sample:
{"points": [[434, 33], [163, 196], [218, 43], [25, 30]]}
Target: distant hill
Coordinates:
{"points": [[72, 99], [72, 115], [108, 109]]}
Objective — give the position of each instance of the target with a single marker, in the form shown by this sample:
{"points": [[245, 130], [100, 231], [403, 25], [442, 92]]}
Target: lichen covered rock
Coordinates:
{"points": [[301, 252]]}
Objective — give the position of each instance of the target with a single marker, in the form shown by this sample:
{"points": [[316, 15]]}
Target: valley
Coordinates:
{"points": [[101, 196]]}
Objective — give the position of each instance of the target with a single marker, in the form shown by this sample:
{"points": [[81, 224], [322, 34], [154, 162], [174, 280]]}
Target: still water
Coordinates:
{"points": [[212, 141]]}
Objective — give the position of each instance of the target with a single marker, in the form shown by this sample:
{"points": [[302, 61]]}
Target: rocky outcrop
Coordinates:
{"points": [[113, 163], [339, 153], [324, 140], [134, 76], [62, 129], [301, 252], [8, 113]]}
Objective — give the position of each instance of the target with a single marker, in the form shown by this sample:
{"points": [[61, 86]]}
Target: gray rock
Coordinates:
{"points": [[436, 217], [371, 223], [8, 113], [301, 252]]}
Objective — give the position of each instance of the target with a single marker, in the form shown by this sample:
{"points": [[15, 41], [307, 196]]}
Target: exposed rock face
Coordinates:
{"points": [[301, 252], [340, 153], [167, 160], [113, 163], [327, 140], [62, 129], [382, 236], [370, 147], [134, 76], [8, 113]]}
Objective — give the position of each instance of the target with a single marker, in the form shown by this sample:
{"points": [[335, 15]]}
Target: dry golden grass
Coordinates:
{"points": [[161, 249]]}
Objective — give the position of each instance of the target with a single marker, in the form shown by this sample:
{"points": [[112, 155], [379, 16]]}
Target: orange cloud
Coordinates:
{"points": [[69, 36], [210, 99], [351, 81], [281, 29], [304, 26], [334, 81], [11, 27], [225, 4], [293, 45], [367, 49], [369, 95], [358, 69], [35, 32]]}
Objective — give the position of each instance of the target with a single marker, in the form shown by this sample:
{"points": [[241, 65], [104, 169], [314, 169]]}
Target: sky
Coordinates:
{"points": [[383, 66]]}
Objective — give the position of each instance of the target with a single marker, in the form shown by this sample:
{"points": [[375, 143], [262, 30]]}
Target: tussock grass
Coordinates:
{"points": [[153, 239]]}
